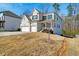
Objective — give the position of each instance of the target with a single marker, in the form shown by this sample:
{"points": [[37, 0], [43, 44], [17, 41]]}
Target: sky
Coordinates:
{"points": [[20, 8]]}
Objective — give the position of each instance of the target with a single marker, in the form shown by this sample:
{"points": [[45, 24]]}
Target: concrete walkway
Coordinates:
{"points": [[10, 33]]}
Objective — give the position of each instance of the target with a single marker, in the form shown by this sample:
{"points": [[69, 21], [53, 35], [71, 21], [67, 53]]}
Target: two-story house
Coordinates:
{"points": [[39, 21]]}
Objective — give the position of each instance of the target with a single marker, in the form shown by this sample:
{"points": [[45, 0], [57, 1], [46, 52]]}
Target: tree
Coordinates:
{"points": [[27, 12], [44, 8], [56, 7], [70, 9]]}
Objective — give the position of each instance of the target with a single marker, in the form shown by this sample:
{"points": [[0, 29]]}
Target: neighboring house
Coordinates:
{"points": [[38, 21], [9, 21]]}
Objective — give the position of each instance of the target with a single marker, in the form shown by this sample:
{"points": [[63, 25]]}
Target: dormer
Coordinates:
{"points": [[35, 14]]}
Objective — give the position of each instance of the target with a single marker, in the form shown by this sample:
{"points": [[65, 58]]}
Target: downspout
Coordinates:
{"points": [[30, 26]]}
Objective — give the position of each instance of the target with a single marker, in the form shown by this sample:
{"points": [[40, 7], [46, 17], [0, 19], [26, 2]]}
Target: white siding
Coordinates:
{"points": [[24, 22], [25, 29], [35, 12], [25, 25], [34, 27]]}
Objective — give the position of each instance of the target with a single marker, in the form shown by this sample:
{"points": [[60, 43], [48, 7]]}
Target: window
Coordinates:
{"points": [[58, 26], [35, 17], [49, 16], [57, 18], [44, 17]]}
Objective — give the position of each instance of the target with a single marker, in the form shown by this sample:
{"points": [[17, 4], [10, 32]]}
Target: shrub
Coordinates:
{"points": [[18, 29]]}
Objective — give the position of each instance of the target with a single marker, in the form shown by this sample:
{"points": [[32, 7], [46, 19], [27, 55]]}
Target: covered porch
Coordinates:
{"points": [[47, 24]]}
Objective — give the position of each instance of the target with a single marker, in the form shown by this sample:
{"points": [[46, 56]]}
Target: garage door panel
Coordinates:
{"points": [[34, 29], [25, 29]]}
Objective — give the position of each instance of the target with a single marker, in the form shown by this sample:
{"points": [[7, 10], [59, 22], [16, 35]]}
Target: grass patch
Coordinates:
{"points": [[36, 44]]}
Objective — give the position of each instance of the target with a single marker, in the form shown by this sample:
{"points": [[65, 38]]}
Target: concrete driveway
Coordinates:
{"points": [[10, 33]]}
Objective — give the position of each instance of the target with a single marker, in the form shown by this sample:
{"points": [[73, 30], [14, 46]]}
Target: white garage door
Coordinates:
{"points": [[34, 29], [25, 29]]}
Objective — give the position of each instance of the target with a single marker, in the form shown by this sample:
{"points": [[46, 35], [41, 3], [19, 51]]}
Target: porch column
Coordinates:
{"points": [[45, 25], [51, 26], [30, 26]]}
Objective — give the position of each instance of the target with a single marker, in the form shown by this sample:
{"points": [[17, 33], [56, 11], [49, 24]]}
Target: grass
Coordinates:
{"points": [[37, 44], [70, 32]]}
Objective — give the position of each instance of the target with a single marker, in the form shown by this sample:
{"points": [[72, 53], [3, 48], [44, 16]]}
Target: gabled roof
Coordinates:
{"points": [[29, 18], [9, 13], [39, 11], [36, 10]]}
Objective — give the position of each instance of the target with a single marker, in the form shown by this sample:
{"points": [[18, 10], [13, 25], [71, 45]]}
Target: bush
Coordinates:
{"points": [[68, 33], [47, 31], [19, 29]]}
